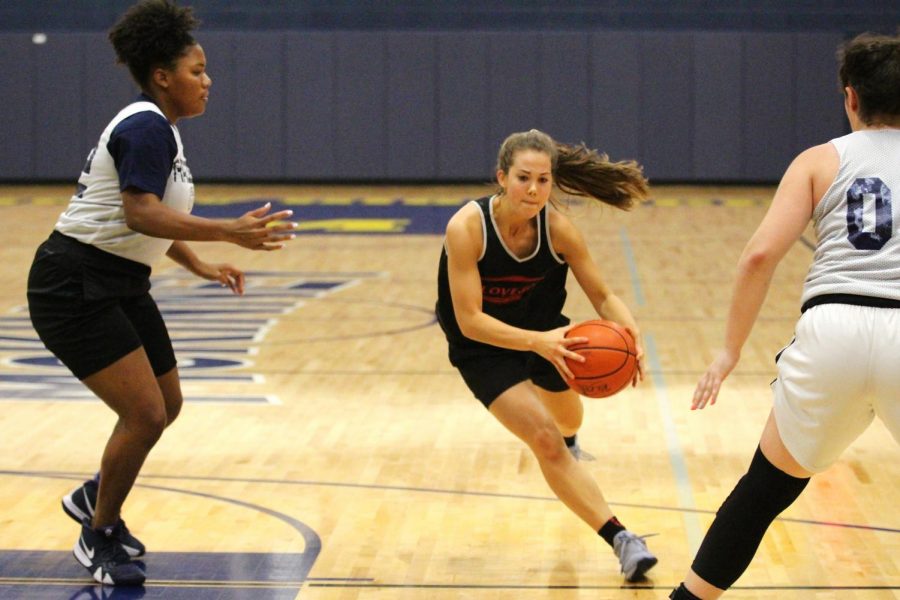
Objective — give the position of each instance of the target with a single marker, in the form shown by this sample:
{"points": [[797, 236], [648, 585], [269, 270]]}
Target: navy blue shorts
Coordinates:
{"points": [[91, 308]]}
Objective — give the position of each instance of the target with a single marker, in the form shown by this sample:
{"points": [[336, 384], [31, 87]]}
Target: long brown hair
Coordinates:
{"points": [[579, 170]]}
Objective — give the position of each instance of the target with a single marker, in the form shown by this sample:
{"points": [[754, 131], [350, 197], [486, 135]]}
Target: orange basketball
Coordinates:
{"points": [[611, 358]]}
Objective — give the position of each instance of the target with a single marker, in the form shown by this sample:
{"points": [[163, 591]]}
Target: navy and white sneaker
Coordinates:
{"points": [[79, 505], [100, 552]]}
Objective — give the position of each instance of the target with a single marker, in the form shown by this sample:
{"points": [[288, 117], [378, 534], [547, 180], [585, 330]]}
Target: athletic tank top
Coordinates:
{"points": [[514, 290], [858, 244]]}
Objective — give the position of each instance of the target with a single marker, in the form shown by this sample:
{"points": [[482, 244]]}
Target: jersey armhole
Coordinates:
{"points": [[548, 238]]}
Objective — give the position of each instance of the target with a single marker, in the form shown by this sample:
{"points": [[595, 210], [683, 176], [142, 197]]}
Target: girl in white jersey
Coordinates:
{"points": [[88, 289], [841, 369]]}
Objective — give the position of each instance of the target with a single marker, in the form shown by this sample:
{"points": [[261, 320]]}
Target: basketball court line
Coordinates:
{"points": [[276, 576], [693, 530], [400, 489]]}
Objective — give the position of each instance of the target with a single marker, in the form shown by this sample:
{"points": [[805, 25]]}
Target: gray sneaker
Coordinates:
{"points": [[578, 453], [633, 555]]}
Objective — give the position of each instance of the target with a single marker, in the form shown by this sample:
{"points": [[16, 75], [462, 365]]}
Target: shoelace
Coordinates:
{"points": [[633, 539]]}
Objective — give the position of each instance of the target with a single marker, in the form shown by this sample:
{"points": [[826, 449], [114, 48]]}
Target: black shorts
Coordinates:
{"points": [[91, 308], [490, 374]]}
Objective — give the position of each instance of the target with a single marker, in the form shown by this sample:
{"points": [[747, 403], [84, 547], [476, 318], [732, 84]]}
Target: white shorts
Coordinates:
{"points": [[841, 370]]}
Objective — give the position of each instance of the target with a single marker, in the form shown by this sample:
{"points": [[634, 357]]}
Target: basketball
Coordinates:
{"points": [[611, 358]]}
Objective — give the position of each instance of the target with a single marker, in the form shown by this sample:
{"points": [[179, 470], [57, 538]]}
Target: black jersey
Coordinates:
{"points": [[521, 292]]}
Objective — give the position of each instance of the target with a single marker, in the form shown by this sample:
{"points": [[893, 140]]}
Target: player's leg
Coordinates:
{"points": [[886, 375], [565, 408], [567, 411], [146, 319], [819, 408], [563, 403], [521, 411], [771, 484], [130, 389]]}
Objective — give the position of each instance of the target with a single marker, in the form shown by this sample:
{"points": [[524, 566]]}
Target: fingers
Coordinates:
{"points": [[706, 392], [236, 283], [279, 216], [231, 278], [268, 238], [259, 212], [638, 372], [563, 368], [568, 341]]}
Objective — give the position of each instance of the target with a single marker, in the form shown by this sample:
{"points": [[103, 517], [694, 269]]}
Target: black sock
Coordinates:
{"points": [[682, 593], [610, 529], [570, 441]]}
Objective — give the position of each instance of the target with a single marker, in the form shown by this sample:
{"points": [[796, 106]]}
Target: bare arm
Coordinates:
{"points": [[568, 241], [788, 215], [224, 273], [464, 245], [256, 230]]}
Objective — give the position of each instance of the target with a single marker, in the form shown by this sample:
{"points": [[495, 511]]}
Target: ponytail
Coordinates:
{"points": [[580, 171], [584, 172]]}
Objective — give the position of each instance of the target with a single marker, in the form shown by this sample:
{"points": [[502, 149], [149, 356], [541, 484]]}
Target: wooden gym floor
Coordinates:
{"points": [[327, 450]]}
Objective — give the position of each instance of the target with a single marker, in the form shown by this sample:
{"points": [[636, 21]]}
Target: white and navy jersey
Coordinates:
{"points": [[511, 287], [857, 258], [139, 149]]}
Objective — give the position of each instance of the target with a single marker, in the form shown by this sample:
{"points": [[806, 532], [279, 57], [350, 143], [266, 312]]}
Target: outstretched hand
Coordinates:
{"points": [[707, 390], [258, 230]]}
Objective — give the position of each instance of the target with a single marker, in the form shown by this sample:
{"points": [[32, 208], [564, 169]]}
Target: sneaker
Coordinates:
{"points": [[578, 453], [100, 552], [633, 555], [79, 504]]}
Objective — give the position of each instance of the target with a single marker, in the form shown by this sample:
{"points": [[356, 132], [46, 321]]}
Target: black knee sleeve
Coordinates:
{"points": [[742, 520]]}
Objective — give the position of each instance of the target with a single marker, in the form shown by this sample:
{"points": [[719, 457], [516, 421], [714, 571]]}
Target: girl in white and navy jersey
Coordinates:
{"points": [[841, 369], [88, 288], [501, 291]]}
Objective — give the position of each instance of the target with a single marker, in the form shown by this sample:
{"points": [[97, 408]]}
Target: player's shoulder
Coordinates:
{"points": [[818, 153], [147, 121], [467, 218], [465, 231], [815, 162], [143, 131], [556, 217], [562, 228]]}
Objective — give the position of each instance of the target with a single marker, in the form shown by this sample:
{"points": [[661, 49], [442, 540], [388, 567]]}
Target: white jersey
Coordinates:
{"points": [[138, 149], [857, 221]]}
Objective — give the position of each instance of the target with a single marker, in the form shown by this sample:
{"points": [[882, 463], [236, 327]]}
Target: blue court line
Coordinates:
{"points": [[632, 267], [173, 576], [676, 458]]}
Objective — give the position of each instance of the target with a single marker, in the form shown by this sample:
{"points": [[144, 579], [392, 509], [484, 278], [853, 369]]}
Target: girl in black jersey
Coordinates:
{"points": [[501, 290]]}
